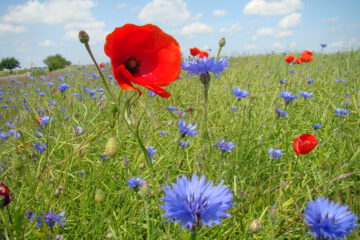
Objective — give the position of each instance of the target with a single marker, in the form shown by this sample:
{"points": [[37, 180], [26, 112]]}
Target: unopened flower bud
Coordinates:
{"points": [[99, 195], [5, 195], [59, 190], [111, 147], [222, 42], [125, 162], [255, 226], [142, 165], [83, 37], [144, 190]]}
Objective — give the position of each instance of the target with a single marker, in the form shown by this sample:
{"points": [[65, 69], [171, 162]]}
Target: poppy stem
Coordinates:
{"points": [[7, 209]]}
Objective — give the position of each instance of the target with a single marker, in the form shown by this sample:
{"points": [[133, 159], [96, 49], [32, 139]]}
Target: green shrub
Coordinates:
{"points": [[56, 62]]}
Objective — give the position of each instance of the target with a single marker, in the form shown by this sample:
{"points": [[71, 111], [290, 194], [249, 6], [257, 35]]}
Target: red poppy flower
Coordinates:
{"points": [[298, 60], [101, 66], [5, 195], [194, 51], [289, 58], [143, 55], [203, 54], [306, 56], [303, 144]]}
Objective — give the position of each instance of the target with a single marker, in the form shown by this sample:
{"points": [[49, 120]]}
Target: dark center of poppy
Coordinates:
{"points": [[132, 65]]}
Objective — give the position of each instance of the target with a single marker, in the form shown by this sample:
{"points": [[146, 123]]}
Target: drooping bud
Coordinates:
{"points": [[5, 195], [255, 226], [99, 195], [83, 37], [111, 147], [222, 42]]}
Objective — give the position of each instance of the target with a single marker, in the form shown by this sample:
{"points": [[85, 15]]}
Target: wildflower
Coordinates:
{"points": [[340, 80], [189, 130], [317, 126], [3, 135], [52, 102], [306, 56], [341, 112], [238, 93], [275, 153], [323, 45], [205, 65], [171, 108], [306, 94], [303, 144], [151, 151], [196, 202], [101, 66], [135, 182], [203, 54], [194, 51], [63, 87], [79, 130], [283, 81], [144, 55], [14, 133], [224, 146], [51, 218], [183, 144], [90, 92], [289, 58], [329, 220], [40, 147], [162, 133], [10, 124], [152, 94], [309, 80], [43, 120], [5, 195], [41, 94], [234, 108], [292, 71], [298, 60], [287, 96]]}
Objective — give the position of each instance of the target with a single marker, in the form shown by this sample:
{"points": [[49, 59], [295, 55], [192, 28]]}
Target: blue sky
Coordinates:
{"points": [[32, 30]]}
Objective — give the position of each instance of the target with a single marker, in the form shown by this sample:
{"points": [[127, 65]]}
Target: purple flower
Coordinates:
{"points": [[162, 133], [234, 108], [238, 93], [189, 130], [306, 94], [183, 144], [3, 135], [329, 220], [10, 124], [40, 147], [135, 182], [171, 108], [224, 146], [275, 153], [292, 71], [51, 218], [44, 120], [287, 96], [63, 87], [205, 65], [152, 94], [317, 126], [280, 113], [79, 130], [323, 45], [151, 151], [341, 112], [14, 133], [196, 202]]}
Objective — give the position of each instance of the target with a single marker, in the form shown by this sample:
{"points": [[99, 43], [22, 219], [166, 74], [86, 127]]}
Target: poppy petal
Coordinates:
{"points": [[124, 78]]}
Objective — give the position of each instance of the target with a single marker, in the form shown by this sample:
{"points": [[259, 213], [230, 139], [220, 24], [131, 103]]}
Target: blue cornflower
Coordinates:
{"points": [[40, 147], [196, 202], [317, 126], [41, 94], [329, 220], [292, 71], [79, 130], [171, 108], [50, 84], [44, 120], [341, 112], [283, 81], [238, 93], [37, 90], [3, 135], [280, 113], [287, 96], [275, 153], [189, 130], [51, 218], [183, 144], [205, 65], [224, 146], [340, 80], [52, 102], [91, 92], [14, 133], [152, 94], [306, 94], [151, 151], [10, 124], [162, 133], [63, 87], [135, 182], [234, 108], [323, 45], [5, 105], [310, 80]]}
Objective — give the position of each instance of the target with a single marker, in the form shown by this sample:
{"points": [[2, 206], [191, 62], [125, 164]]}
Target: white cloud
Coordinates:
{"points": [[7, 29], [47, 43], [352, 43], [333, 19], [292, 45], [291, 21], [233, 29], [196, 29], [272, 8], [283, 33], [254, 38], [121, 5], [277, 45], [169, 12], [346, 27], [249, 46], [219, 13], [265, 31]]}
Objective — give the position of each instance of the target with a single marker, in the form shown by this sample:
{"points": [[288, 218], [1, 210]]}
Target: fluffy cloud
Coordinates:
{"points": [[7, 29], [169, 12], [277, 45], [272, 8], [283, 33], [219, 13], [249, 46], [47, 43], [291, 21], [196, 29], [233, 29], [265, 31]]}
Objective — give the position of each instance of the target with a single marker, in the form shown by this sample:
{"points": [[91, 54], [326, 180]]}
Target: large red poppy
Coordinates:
{"points": [[5, 195], [143, 55], [303, 144], [289, 58]]}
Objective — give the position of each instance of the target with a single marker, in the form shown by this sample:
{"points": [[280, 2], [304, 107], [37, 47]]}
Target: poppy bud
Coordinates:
{"points": [[99, 195], [111, 147], [5, 195], [255, 226], [83, 37], [222, 42]]}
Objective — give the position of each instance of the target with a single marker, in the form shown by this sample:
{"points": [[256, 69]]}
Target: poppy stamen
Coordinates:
{"points": [[132, 65]]}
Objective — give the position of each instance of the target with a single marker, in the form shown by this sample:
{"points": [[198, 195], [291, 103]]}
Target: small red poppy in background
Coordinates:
{"points": [[194, 51], [5, 195], [289, 58], [306, 56], [303, 144], [101, 66], [143, 55], [203, 54], [298, 60]]}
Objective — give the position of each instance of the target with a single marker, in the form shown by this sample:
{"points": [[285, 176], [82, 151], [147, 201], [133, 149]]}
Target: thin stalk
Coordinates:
{"points": [[193, 233]]}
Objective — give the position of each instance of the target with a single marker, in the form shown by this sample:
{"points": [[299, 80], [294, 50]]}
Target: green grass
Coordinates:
{"points": [[256, 181]]}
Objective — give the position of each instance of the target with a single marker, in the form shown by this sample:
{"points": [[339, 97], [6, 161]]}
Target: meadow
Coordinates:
{"points": [[59, 164]]}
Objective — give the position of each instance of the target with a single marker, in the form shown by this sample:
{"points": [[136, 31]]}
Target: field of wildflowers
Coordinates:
{"points": [[253, 147]]}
